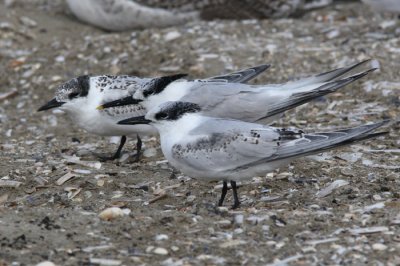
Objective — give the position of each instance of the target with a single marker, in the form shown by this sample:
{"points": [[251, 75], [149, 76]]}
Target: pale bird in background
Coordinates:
{"points": [[120, 15], [392, 6]]}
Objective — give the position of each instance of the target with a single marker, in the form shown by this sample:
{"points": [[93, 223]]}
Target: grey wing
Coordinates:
{"points": [[333, 75], [241, 76], [255, 103], [230, 145], [230, 100], [299, 98], [307, 144], [222, 145]]}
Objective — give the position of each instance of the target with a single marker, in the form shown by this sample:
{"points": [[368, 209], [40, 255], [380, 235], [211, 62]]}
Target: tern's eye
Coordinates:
{"points": [[161, 115], [73, 95]]}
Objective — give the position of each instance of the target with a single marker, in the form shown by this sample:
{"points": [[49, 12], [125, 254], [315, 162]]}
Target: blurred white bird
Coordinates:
{"points": [[119, 15], [230, 150], [392, 6]]}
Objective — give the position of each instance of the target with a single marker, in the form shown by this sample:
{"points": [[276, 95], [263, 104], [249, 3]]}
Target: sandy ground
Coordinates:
{"points": [[289, 216]]}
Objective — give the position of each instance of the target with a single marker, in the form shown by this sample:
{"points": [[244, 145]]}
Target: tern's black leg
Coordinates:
{"points": [[235, 195], [138, 147], [121, 144], [117, 154], [223, 194]]}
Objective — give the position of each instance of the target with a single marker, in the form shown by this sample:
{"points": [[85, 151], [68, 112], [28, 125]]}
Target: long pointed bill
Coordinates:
{"points": [[121, 102], [138, 120], [52, 104]]}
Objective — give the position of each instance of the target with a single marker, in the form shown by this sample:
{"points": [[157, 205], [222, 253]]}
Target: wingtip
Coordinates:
{"points": [[373, 64], [383, 122], [375, 125], [362, 74], [263, 67]]}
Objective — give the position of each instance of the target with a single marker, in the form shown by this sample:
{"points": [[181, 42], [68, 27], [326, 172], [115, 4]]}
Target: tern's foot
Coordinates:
{"points": [[116, 155], [136, 157], [219, 204]]}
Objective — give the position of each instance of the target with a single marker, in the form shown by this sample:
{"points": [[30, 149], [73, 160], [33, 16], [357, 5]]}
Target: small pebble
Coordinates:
{"points": [[239, 219], [238, 231], [161, 237], [160, 251], [265, 227], [377, 197], [224, 223], [111, 213], [28, 22], [174, 248], [150, 152], [46, 263], [149, 249], [190, 198], [379, 247], [222, 210], [170, 36]]}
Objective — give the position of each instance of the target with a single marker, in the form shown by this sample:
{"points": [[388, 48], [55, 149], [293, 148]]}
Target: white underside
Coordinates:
{"points": [[97, 123], [170, 136]]}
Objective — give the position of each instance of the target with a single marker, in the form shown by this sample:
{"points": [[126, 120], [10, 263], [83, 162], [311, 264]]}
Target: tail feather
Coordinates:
{"points": [[333, 74], [314, 143], [330, 140], [303, 97]]}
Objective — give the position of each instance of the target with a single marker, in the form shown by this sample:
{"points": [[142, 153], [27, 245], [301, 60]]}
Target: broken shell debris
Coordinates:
{"points": [[111, 213]]}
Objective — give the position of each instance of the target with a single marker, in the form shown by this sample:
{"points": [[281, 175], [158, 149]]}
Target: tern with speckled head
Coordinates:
{"points": [[80, 96]]}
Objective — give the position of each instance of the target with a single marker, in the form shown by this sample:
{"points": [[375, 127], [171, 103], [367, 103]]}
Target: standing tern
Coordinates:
{"points": [[251, 103], [228, 150], [80, 96]]}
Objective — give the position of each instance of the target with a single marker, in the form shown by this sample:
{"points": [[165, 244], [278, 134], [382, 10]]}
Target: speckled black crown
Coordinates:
{"points": [[175, 110]]}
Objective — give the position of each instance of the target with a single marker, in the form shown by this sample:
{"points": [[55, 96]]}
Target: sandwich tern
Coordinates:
{"points": [[229, 150], [80, 96], [251, 103]]}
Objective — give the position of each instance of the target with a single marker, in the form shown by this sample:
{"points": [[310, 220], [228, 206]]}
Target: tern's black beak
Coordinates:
{"points": [[121, 102], [138, 120], [52, 104]]}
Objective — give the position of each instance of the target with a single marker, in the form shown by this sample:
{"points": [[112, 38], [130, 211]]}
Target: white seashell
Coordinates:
{"points": [[111, 213]]}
